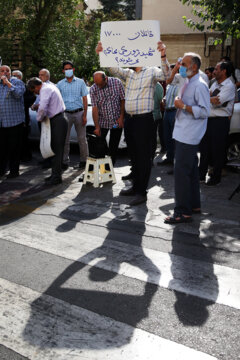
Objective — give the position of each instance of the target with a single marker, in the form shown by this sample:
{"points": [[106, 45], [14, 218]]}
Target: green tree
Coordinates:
{"points": [[126, 7], [224, 15]]}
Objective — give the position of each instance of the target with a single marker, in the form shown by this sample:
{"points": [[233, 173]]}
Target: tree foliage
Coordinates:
{"points": [[224, 15], [43, 33], [126, 7]]}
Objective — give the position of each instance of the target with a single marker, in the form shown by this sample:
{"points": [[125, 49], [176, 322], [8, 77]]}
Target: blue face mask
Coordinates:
{"points": [[183, 71], [69, 73]]}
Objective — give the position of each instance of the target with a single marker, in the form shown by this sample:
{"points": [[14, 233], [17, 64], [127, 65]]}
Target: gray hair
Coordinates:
{"points": [[17, 72], [47, 72], [101, 73], [196, 58]]}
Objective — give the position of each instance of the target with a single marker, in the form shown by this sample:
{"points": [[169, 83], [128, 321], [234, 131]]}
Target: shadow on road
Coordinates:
{"points": [[101, 295]]}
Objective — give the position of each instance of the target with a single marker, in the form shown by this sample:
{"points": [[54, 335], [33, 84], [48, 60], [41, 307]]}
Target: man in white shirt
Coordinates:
{"points": [[214, 143], [51, 105]]}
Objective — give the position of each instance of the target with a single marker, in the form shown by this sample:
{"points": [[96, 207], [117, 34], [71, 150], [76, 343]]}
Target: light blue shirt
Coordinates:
{"points": [[190, 128], [72, 92]]}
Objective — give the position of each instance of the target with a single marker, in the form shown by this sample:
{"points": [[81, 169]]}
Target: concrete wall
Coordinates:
{"points": [[170, 13]]}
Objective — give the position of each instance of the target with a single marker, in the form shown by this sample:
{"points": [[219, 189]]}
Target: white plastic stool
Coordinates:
{"points": [[99, 174]]}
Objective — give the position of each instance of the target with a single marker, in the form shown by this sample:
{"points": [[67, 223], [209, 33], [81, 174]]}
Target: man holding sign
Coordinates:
{"points": [[139, 122]]}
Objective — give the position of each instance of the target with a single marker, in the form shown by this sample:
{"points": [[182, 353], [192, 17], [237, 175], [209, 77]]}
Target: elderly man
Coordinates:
{"points": [[107, 96], [214, 144], [29, 99], [190, 125], [74, 93], [139, 122], [12, 117], [51, 105]]}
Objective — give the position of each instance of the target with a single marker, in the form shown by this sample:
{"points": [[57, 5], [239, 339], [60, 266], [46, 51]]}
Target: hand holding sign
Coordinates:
{"points": [[130, 44]]}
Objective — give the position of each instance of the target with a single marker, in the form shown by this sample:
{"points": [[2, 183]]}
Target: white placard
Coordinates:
{"points": [[130, 43], [45, 140]]}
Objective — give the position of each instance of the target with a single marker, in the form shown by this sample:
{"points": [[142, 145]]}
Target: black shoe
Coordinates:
{"points": [[139, 199], [53, 181], [46, 165], [65, 167], [212, 182], [12, 175], [81, 165], [128, 177], [165, 162], [127, 192], [48, 178]]}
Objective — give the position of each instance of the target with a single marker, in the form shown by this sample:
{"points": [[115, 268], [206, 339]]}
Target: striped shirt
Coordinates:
{"points": [[12, 111], [72, 92], [140, 86], [108, 102]]}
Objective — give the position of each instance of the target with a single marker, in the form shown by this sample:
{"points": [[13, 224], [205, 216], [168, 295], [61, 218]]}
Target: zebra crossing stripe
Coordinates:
{"points": [[41, 327], [203, 279]]}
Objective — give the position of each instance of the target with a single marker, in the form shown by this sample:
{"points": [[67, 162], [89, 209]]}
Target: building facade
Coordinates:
{"points": [[179, 38]]}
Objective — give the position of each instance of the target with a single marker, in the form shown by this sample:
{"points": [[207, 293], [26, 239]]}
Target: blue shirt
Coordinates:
{"points": [[72, 92], [190, 128], [12, 111]]}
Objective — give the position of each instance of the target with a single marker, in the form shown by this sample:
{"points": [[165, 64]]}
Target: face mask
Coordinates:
{"points": [[69, 73], [183, 71]]}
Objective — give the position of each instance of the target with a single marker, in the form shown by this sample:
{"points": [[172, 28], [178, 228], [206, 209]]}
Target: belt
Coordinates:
{"points": [[170, 109], [73, 111], [139, 115], [56, 115]]}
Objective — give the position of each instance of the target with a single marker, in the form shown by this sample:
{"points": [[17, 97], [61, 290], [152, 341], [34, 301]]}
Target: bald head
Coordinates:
{"points": [[44, 75], [5, 71], [100, 79]]}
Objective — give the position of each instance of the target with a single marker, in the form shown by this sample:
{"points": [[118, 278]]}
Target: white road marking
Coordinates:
{"points": [[41, 327], [217, 283]]}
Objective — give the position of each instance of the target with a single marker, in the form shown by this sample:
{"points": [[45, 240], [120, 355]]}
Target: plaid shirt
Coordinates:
{"points": [[72, 92], [140, 86], [108, 102], [12, 111]]}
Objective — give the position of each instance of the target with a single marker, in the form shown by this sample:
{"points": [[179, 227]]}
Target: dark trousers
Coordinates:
{"points": [[158, 131], [168, 126], [213, 147], [138, 133], [115, 136], [10, 148], [59, 127], [186, 178]]}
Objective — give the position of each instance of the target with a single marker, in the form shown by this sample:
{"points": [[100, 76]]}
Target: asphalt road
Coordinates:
{"points": [[85, 276]]}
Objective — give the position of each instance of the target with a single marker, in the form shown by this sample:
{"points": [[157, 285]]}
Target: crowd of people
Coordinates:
{"points": [[189, 109]]}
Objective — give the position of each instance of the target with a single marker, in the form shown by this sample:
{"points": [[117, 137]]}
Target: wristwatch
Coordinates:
{"points": [[184, 107]]}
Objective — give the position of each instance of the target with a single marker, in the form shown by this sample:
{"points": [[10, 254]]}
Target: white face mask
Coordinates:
{"points": [[69, 73]]}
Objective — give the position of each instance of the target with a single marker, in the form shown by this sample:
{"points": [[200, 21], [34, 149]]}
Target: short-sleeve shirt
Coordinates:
{"points": [[108, 101], [72, 92]]}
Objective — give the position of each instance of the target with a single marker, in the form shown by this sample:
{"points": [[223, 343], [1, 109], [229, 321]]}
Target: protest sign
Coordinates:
{"points": [[130, 43], [45, 140]]}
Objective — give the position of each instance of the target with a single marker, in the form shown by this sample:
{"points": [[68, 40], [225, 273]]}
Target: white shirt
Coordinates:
{"points": [[51, 102], [226, 94]]}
